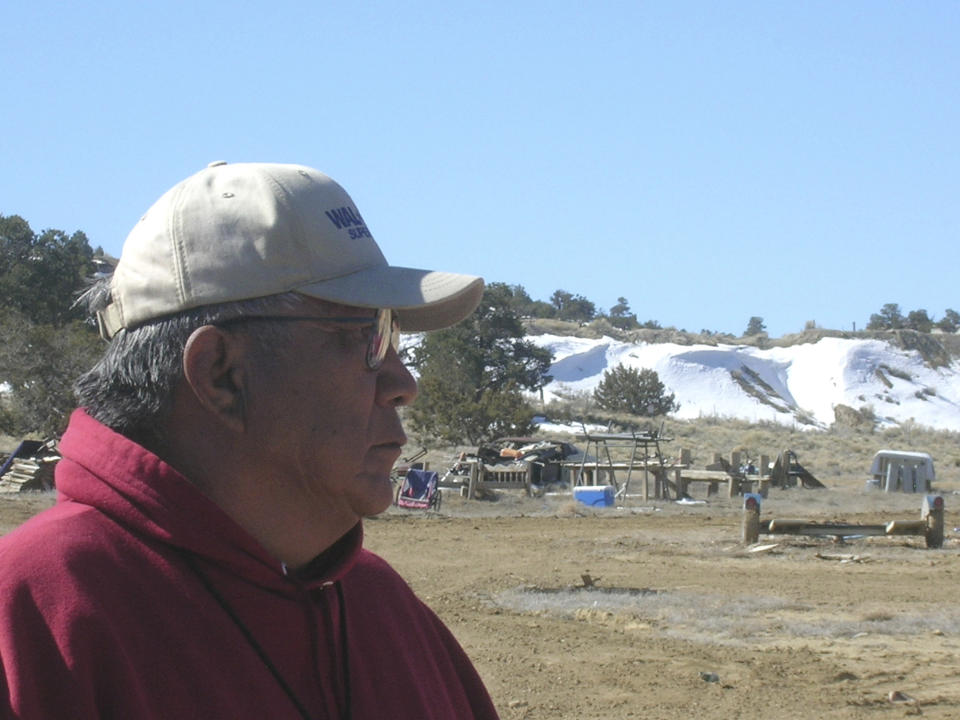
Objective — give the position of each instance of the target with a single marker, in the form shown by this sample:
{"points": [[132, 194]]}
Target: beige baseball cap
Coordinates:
{"points": [[248, 230]]}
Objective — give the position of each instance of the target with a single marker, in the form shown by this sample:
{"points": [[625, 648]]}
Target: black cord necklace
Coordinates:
{"points": [[262, 654]]}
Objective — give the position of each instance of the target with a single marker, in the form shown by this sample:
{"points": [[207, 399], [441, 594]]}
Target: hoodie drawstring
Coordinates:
{"points": [[345, 713]]}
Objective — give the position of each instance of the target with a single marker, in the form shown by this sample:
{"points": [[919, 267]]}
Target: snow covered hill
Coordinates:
{"points": [[798, 385]]}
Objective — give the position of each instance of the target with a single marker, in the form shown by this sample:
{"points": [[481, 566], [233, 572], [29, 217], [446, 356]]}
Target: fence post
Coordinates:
{"points": [[932, 512], [686, 460], [751, 518], [474, 476]]}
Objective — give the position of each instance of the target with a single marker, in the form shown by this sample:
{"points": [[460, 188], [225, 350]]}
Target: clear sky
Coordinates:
{"points": [[708, 161]]}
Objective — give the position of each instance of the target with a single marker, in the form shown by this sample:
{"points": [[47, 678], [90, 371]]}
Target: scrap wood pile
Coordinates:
{"points": [[544, 455], [29, 467]]}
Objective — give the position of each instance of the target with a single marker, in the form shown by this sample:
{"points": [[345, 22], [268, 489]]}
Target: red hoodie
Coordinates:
{"points": [[135, 596]]}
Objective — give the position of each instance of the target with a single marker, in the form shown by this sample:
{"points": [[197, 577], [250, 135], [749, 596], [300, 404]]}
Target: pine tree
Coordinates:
{"points": [[638, 392], [755, 326], [473, 376]]}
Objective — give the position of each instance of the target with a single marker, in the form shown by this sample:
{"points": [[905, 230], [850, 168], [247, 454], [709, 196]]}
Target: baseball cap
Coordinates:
{"points": [[247, 230]]}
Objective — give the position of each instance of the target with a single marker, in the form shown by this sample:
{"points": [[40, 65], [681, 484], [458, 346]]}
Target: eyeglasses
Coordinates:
{"points": [[383, 329]]}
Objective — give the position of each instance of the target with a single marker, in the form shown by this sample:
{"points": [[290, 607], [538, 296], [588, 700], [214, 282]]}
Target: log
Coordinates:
{"points": [[906, 527]]}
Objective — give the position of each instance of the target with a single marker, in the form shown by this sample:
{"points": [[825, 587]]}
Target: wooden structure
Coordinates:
{"points": [[30, 467], [719, 472], [675, 476], [787, 472], [930, 524], [484, 477], [639, 445], [736, 484]]}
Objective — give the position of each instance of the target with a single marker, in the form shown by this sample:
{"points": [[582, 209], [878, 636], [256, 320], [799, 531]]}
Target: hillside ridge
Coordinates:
{"points": [[937, 349], [812, 379]]}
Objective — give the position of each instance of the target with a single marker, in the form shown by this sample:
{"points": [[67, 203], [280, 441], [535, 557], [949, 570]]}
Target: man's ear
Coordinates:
{"points": [[214, 371]]}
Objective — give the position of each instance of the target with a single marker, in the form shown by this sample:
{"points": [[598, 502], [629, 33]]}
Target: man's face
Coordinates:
{"points": [[328, 424]]}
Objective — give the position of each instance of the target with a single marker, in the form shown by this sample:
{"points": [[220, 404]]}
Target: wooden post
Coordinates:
{"points": [[733, 486], [764, 486], [474, 478], [735, 461], [686, 460], [933, 513], [751, 519], [528, 479], [764, 468]]}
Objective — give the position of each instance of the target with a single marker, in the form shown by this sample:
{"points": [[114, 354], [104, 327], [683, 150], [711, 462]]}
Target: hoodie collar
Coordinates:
{"points": [[140, 491]]}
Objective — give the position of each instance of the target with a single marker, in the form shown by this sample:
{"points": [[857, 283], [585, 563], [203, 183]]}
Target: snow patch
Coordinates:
{"points": [[799, 385]]}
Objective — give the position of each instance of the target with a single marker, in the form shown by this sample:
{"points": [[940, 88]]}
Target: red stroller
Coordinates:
{"points": [[419, 491]]}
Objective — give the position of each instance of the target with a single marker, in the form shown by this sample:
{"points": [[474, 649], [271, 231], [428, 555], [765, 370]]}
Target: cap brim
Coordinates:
{"points": [[425, 299]]}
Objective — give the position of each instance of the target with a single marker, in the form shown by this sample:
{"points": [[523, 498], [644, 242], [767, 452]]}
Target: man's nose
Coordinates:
{"points": [[396, 386]]}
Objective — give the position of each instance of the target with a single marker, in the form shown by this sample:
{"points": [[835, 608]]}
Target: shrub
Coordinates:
{"points": [[639, 392]]}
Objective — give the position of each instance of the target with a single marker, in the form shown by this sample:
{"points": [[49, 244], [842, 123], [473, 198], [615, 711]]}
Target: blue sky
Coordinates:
{"points": [[708, 161]]}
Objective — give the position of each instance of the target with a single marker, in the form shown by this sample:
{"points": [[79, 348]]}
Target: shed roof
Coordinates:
{"points": [[901, 456]]}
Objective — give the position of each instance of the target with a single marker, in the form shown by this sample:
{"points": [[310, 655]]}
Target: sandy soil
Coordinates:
{"points": [[657, 610]]}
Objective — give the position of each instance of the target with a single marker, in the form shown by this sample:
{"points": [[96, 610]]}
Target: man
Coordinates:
{"points": [[204, 559]]}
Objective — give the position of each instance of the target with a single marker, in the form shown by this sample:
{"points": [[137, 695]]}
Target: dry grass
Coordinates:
{"points": [[839, 456], [712, 619]]}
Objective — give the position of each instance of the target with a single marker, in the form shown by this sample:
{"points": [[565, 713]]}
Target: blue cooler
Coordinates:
{"points": [[594, 495]]}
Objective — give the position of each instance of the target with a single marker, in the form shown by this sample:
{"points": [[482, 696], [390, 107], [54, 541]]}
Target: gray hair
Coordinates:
{"points": [[130, 389]]}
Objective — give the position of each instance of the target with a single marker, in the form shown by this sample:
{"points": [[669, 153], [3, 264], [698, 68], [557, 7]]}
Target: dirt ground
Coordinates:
{"points": [[657, 610], [682, 619]]}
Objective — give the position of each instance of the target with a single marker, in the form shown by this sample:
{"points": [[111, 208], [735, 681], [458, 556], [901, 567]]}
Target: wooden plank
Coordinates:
{"points": [[652, 465], [708, 475]]}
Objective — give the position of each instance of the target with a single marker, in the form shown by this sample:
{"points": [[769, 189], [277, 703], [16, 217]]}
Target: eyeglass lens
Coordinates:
{"points": [[387, 335]]}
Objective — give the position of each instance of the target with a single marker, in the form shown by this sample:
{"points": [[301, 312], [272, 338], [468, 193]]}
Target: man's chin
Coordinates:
{"points": [[377, 493]]}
